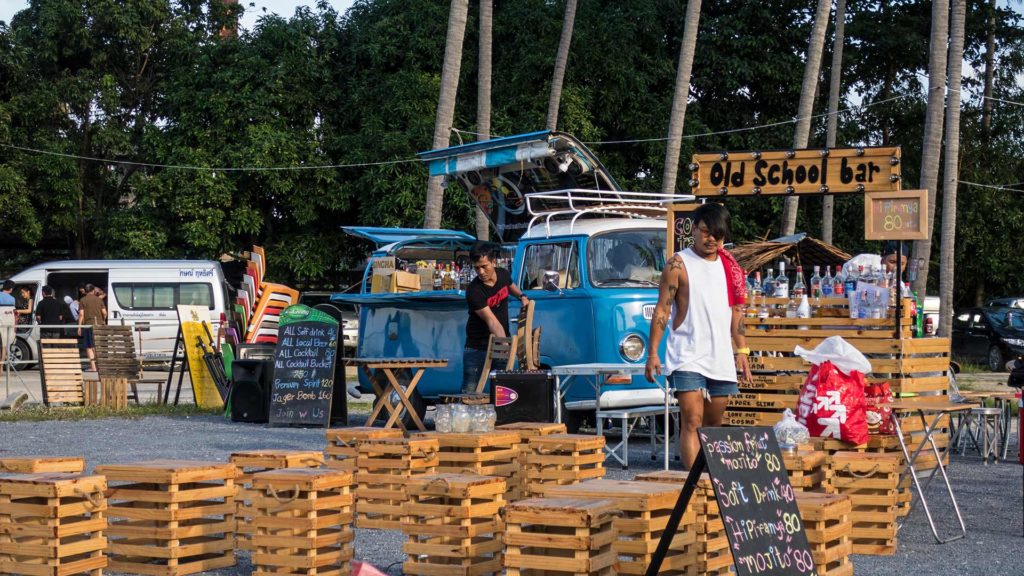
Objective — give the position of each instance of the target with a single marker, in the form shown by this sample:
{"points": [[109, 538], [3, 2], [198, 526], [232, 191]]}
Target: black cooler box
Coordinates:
{"points": [[523, 396]]}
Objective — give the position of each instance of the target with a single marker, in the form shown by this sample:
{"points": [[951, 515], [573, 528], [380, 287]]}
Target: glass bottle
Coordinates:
{"points": [[757, 288], [437, 276], [791, 308], [443, 418], [782, 282], [460, 418], [768, 288], [816, 283], [863, 306], [839, 282], [799, 288], [762, 310]]}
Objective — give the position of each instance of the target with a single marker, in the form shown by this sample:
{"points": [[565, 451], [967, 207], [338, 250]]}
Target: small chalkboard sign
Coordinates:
{"points": [[303, 386], [900, 215], [680, 227]]}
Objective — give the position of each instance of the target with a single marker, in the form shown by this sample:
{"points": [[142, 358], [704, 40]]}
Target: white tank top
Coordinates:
{"points": [[703, 341]]}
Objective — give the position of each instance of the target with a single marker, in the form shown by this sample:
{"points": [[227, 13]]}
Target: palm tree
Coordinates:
{"points": [[446, 104], [951, 167], [834, 86], [561, 61], [990, 50], [483, 96], [808, 90], [681, 96], [932, 145]]}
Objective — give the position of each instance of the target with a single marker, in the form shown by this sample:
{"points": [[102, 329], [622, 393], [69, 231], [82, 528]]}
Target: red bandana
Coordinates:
{"points": [[735, 278]]}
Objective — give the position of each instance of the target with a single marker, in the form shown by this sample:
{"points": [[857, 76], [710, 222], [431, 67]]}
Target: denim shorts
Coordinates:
{"points": [[682, 381]]}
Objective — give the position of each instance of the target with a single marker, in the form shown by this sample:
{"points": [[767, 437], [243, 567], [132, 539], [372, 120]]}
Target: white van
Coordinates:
{"points": [[138, 291]]}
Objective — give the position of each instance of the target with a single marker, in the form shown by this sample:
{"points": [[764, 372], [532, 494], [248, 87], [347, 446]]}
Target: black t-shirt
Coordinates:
{"points": [[480, 295], [50, 311]]}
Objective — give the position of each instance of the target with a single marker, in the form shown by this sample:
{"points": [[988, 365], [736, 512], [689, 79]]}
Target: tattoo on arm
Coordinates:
{"points": [[675, 263], [661, 320]]}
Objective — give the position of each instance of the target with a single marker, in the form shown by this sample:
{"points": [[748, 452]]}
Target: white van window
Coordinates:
{"points": [[558, 256], [626, 258], [161, 296]]}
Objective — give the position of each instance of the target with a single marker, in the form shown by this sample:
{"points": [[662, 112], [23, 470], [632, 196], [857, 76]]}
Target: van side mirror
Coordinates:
{"points": [[551, 281]]}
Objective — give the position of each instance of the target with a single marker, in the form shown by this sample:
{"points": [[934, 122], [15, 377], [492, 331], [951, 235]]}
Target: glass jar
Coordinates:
{"points": [[460, 418], [443, 418], [492, 416], [478, 420]]}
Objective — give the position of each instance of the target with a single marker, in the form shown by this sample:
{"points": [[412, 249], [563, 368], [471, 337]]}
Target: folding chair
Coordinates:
{"points": [[526, 350], [500, 352]]}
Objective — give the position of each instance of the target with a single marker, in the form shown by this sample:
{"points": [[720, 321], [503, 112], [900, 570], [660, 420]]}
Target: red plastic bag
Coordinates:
{"points": [[878, 398], [832, 404]]}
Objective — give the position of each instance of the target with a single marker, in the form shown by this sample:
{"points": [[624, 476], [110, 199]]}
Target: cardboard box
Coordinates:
{"points": [[426, 279], [383, 268], [404, 282]]}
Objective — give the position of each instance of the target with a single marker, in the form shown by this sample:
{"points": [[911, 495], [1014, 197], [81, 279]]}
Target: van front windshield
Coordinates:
{"points": [[627, 258]]}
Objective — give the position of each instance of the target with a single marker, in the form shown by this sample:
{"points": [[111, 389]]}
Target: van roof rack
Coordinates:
{"points": [[575, 203]]}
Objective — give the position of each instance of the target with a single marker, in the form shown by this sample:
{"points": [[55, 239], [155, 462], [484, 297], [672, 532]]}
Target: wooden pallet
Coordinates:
{"points": [[250, 462], [808, 470], [526, 430], [645, 508], [52, 524], [42, 464], [385, 466], [828, 526], [60, 370], [563, 459], [871, 480], [171, 517], [343, 444], [303, 522], [553, 536], [453, 525], [486, 453]]}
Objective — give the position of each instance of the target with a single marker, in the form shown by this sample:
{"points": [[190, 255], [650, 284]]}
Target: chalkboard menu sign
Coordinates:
{"points": [[680, 227], [901, 215], [307, 344], [756, 501]]}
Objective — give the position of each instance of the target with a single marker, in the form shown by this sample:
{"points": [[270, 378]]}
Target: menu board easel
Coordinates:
{"points": [[303, 386]]}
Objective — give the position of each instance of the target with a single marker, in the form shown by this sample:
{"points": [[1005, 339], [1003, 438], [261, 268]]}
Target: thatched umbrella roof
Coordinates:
{"points": [[799, 249]]}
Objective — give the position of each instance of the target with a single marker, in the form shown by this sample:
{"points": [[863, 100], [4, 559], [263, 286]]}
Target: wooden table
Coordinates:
{"points": [[936, 409], [388, 366]]}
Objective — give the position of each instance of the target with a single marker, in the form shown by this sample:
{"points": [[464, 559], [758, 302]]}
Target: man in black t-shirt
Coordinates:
{"points": [[49, 311], [487, 300]]}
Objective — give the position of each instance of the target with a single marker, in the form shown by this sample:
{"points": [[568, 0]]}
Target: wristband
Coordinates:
{"points": [[744, 351]]}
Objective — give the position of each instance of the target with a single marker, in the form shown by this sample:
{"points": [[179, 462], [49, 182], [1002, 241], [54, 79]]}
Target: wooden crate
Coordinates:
{"points": [[385, 466], [828, 526], [871, 480], [52, 524], [808, 469], [42, 464], [486, 453], [526, 430], [171, 517], [563, 459], [303, 522], [250, 462], [553, 536], [343, 444], [453, 525], [645, 508]]}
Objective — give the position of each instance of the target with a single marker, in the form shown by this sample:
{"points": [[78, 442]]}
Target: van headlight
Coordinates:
{"points": [[632, 348]]}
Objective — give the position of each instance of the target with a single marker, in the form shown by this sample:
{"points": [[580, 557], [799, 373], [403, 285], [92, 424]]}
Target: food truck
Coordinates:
{"points": [[588, 254]]}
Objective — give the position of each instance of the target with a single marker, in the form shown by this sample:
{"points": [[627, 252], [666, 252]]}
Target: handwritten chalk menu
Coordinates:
{"points": [[901, 215], [756, 501], [307, 344], [680, 227]]}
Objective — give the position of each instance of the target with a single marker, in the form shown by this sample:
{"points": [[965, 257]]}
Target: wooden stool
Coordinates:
{"points": [[303, 522], [52, 524], [485, 453], [251, 462], [645, 508], [343, 444], [552, 536], [453, 525], [385, 467], [562, 459], [526, 430], [808, 470], [171, 517], [871, 481], [713, 556], [826, 520], [42, 464]]}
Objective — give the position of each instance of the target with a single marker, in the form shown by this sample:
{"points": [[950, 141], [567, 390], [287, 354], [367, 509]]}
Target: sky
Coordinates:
{"points": [[253, 8]]}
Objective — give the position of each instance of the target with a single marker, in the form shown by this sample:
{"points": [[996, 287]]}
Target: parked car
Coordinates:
{"points": [[992, 336], [1005, 303]]}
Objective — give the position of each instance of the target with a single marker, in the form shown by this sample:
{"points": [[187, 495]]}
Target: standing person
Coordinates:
{"points": [[91, 312], [487, 300], [70, 313], [23, 305], [700, 301], [7, 321], [50, 311]]}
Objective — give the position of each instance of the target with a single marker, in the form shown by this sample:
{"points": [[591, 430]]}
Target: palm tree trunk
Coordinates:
{"points": [[990, 51], [483, 97], [834, 87], [807, 92], [681, 96], [561, 61], [446, 104], [951, 167], [931, 148]]}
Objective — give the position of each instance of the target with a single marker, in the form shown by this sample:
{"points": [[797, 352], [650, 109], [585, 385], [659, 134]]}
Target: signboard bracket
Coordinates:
{"points": [[698, 468]]}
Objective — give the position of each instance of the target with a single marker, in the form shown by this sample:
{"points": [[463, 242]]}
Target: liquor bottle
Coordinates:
{"points": [[816, 283], [850, 282], [757, 288], [782, 282], [791, 308], [799, 288], [839, 282], [768, 287], [762, 310], [880, 307], [853, 303], [826, 282], [437, 276], [751, 310], [863, 306]]}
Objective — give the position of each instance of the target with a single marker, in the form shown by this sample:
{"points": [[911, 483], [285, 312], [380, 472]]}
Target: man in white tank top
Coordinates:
{"points": [[701, 307]]}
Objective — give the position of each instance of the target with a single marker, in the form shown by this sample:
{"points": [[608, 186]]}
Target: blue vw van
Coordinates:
{"points": [[590, 256]]}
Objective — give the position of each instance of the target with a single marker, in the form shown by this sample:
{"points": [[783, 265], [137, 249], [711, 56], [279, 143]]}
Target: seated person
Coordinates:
{"points": [[623, 260]]}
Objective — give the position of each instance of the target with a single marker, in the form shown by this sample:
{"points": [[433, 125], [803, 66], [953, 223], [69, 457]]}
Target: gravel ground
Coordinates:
{"points": [[989, 496]]}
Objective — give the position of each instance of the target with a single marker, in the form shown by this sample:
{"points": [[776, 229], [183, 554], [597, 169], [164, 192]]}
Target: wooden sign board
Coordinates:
{"points": [[303, 386], [680, 228], [901, 215], [756, 501], [809, 171]]}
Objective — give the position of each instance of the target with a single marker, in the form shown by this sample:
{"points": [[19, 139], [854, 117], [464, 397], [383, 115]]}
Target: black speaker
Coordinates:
{"points": [[523, 396], [250, 390]]}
